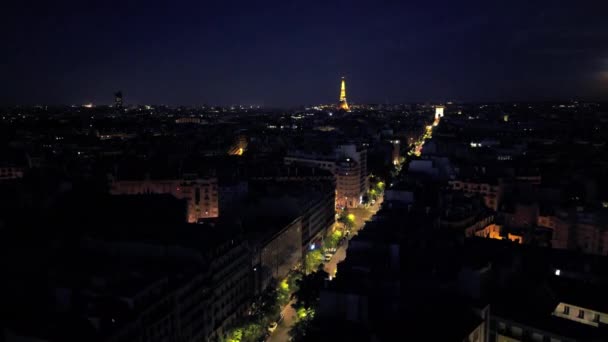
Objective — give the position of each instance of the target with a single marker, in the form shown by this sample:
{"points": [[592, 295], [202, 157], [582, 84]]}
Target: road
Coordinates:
{"points": [[332, 266], [362, 215], [281, 334]]}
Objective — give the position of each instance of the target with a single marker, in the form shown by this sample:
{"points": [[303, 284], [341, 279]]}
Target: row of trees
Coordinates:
{"points": [[253, 327], [265, 309], [304, 289], [306, 302], [376, 189], [312, 260], [347, 219]]}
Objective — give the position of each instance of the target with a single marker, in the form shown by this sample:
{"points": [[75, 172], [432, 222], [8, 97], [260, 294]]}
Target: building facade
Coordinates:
{"points": [[279, 253], [348, 164], [11, 172], [201, 308], [201, 193], [348, 183], [576, 231], [490, 192]]}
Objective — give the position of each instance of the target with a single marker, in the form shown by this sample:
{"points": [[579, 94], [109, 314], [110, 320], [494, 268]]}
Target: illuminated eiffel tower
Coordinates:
{"points": [[343, 104]]}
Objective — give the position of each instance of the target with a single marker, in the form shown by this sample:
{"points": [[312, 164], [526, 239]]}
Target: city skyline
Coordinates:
{"points": [[291, 53], [198, 171]]}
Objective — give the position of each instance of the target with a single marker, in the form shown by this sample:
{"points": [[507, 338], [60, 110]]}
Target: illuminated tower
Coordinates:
{"points": [[343, 103]]}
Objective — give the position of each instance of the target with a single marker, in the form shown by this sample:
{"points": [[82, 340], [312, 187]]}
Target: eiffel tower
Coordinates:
{"points": [[343, 104]]}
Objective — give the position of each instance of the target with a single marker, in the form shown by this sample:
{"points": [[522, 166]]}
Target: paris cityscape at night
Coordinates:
{"points": [[233, 171]]}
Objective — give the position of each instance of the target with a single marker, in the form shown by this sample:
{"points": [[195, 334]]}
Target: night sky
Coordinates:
{"points": [[281, 53]]}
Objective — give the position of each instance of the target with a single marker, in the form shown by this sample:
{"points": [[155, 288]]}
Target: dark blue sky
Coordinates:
{"points": [[294, 52]]}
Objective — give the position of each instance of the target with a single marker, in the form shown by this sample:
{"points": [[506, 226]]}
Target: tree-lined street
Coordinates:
{"points": [[361, 215], [353, 219]]}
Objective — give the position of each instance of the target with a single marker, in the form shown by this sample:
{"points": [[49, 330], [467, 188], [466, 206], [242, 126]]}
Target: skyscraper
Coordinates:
{"points": [[118, 99], [343, 104]]}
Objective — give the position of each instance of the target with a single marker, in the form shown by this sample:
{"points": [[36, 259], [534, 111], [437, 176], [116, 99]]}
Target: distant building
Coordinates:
{"points": [[490, 192], [581, 231], [425, 167], [11, 172], [439, 112], [348, 163], [118, 101], [348, 188], [190, 120], [315, 191], [13, 164], [200, 193]]}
